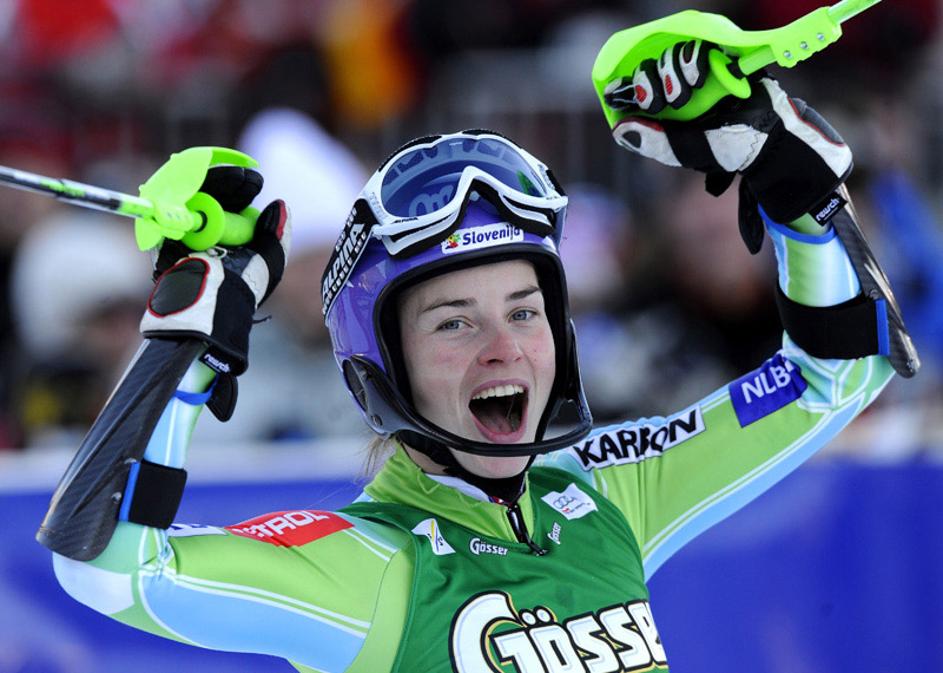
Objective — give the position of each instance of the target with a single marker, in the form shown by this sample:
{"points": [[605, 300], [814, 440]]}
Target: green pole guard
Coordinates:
{"points": [[181, 212], [750, 49]]}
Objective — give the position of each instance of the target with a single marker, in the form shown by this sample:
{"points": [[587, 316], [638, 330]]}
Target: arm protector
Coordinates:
{"points": [[870, 323], [85, 506]]}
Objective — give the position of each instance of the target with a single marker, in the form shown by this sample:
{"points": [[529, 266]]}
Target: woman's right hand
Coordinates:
{"points": [[213, 295]]}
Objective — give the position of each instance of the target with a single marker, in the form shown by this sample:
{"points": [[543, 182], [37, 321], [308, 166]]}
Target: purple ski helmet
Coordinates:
{"points": [[439, 204]]}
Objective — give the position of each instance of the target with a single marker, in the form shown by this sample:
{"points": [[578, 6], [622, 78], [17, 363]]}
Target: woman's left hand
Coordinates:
{"points": [[788, 154]]}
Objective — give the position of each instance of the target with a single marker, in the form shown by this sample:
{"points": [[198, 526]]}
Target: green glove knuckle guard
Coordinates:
{"points": [[792, 164]]}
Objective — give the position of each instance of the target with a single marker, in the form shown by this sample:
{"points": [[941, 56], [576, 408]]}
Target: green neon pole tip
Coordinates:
{"points": [[750, 50]]}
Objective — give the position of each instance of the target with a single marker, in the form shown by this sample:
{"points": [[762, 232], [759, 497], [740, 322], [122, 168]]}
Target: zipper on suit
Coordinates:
{"points": [[516, 518]]}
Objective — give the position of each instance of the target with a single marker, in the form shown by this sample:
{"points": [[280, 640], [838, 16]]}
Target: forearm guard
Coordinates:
{"points": [[85, 507], [869, 324]]}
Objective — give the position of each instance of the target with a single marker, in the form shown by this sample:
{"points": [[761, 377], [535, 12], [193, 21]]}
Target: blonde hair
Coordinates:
{"points": [[378, 450]]}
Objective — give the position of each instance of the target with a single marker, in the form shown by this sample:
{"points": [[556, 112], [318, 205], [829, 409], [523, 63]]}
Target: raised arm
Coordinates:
{"points": [[304, 585], [674, 477], [321, 589], [202, 306]]}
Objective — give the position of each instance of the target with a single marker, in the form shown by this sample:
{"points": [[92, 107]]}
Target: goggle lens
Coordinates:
{"points": [[424, 180]]}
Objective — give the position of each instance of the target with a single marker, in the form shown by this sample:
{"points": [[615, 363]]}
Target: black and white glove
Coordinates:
{"points": [[213, 295], [790, 158], [668, 81]]}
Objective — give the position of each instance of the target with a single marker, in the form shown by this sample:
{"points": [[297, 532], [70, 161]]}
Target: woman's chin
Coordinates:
{"points": [[492, 467]]}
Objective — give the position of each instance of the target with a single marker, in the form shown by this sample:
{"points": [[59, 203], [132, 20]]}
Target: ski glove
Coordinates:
{"points": [[213, 295], [790, 158]]}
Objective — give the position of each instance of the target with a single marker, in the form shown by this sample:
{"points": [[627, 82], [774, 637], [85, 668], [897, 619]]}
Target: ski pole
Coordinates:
{"points": [[741, 52], [170, 203]]}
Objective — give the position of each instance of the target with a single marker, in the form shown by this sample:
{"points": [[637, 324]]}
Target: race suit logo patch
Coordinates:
{"points": [[761, 392], [430, 529], [479, 546], [292, 528], [572, 503], [635, 443], [482, 237], [487, 632], [554, 533]]}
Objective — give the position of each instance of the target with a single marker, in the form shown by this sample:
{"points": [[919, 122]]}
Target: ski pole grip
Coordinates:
{"points": [[240, 228], [218, 226], [724, 79]]}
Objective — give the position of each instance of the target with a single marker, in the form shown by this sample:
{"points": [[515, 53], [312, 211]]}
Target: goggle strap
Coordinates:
{"points": [[407, 245], [553, 181], [398, 230], [347, 252]]}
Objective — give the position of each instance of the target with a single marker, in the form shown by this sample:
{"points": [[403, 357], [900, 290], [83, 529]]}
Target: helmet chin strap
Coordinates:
{"points": [[508, 489]]}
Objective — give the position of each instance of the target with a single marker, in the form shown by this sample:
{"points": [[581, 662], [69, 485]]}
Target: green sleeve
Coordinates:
{"points": [[326, 591], [323, 590], [675, 477], [688, 487]]}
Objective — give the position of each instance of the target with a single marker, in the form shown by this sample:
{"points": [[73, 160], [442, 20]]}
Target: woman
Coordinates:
{"points": [[491, 539]]}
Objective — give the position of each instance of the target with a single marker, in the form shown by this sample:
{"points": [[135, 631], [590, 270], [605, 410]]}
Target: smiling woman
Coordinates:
{"points": [[450, 296], [491, 540], [481, 358]]}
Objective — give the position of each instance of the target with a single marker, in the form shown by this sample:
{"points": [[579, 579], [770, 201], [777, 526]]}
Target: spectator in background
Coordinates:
{"points": [[898, 182], [721, 299], [319, 177], [292, 391], [77, 283], [35, 150], [597, 257], [694, 307], [907, 421]]}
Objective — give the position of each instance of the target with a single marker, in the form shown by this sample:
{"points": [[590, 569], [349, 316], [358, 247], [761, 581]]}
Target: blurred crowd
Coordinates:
{"points": [[668, 303]]}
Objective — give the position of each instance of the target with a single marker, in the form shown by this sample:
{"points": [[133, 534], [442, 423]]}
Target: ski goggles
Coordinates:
{"points": [[419, 194]]}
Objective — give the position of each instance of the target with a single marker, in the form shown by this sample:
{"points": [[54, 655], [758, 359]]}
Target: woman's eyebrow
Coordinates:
{"points": [[520, 294], [469, 301], [447, 303]]}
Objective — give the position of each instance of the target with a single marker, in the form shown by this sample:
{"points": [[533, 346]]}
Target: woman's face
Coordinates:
{"points": [[480, 357]]}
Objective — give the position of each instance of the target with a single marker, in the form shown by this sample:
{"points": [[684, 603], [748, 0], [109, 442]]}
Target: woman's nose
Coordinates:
{"points": [[501, 345]]}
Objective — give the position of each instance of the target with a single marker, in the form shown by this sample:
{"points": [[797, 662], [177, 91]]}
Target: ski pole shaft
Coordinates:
{"points": [[844, 10], [81, 194]]}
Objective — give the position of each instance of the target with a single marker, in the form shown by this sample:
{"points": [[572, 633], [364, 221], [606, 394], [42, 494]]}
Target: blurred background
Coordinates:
{"points": [[836, 569]]}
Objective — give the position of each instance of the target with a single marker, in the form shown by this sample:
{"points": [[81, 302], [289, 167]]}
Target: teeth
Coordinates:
{"points": [[499, 391]]}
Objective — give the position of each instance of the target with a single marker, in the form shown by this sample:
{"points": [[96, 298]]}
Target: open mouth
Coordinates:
{"points": [[500, 409]]}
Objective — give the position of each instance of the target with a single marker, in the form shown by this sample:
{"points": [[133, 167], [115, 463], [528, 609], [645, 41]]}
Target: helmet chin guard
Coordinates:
{"points": [[363, 280]]}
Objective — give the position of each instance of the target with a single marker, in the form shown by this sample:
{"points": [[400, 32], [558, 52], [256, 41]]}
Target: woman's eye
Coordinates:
{"points": [[523, 314], [451, 325]]}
